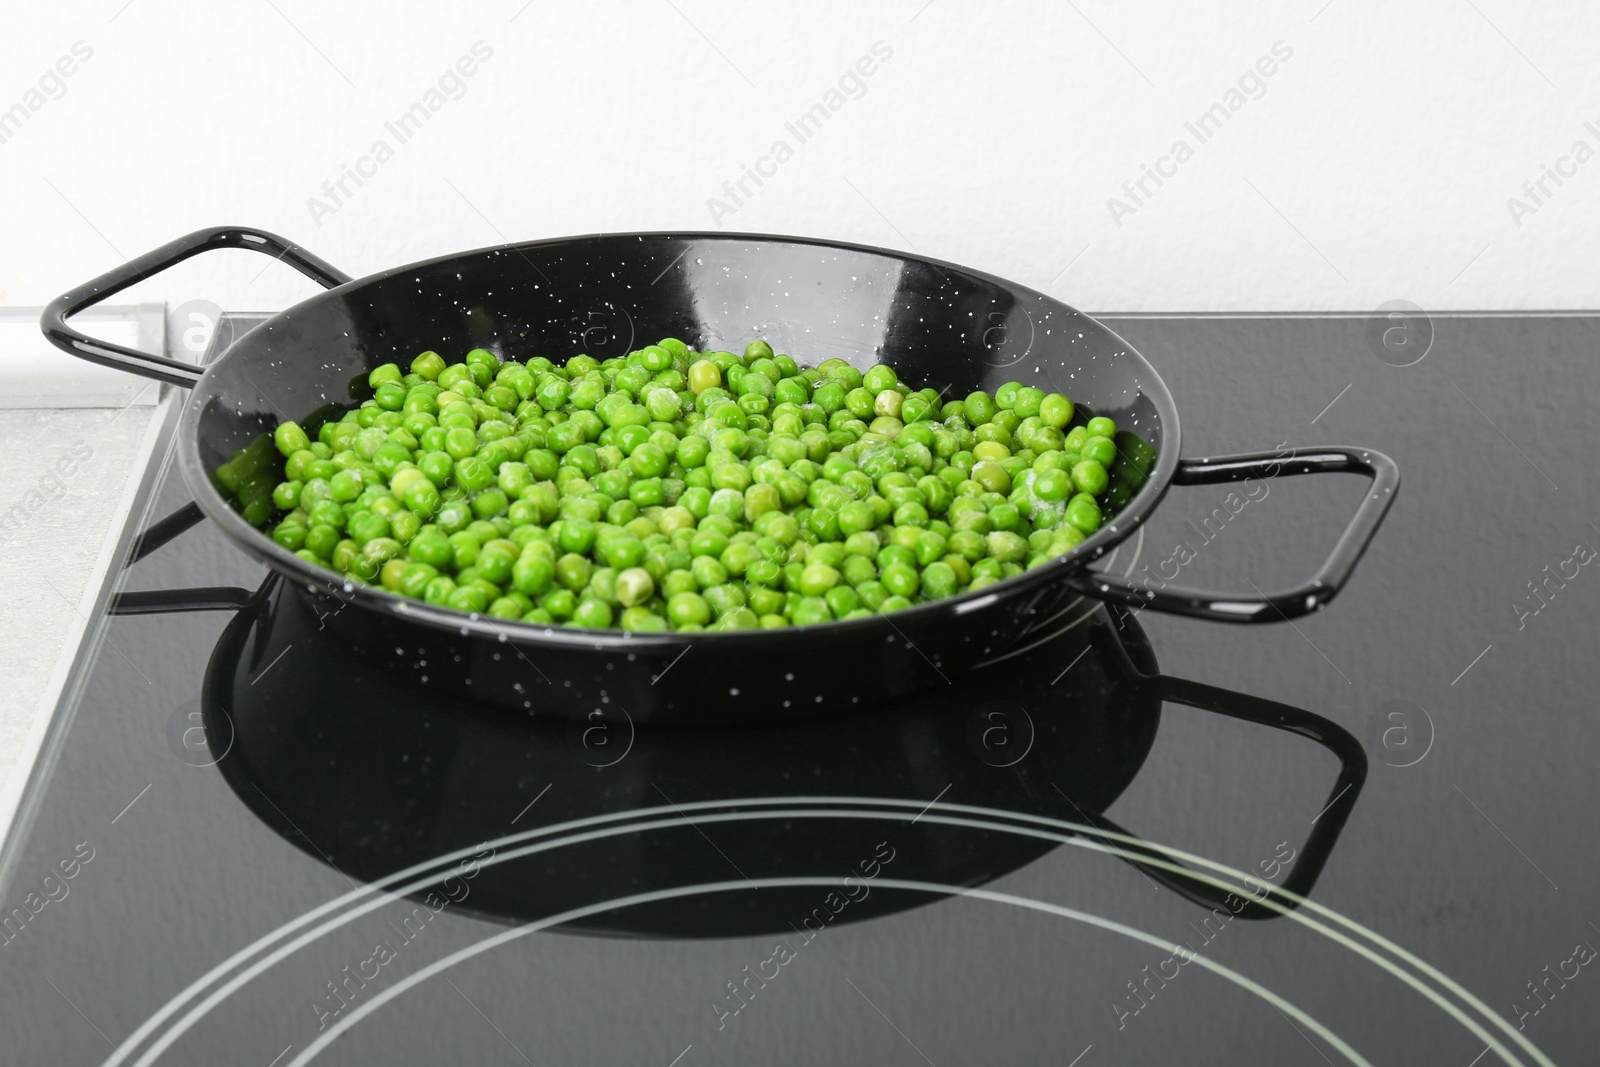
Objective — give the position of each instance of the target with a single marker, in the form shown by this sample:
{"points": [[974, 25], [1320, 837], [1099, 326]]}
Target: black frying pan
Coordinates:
{"points": [[937, 324]]}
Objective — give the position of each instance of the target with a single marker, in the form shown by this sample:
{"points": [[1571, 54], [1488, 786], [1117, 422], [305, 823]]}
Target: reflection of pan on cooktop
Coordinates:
{"points": [[363, 771]]}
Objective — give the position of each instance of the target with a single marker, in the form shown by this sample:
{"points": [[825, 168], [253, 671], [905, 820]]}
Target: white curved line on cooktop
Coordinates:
{"points": [[332, 1034], [1077, 834]]}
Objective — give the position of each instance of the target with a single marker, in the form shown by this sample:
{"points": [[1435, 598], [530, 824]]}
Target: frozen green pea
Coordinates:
{"points": [[682, 491]]}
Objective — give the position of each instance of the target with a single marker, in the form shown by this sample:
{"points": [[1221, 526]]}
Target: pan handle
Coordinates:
{"points": [[162, 369], [1311, 594]]}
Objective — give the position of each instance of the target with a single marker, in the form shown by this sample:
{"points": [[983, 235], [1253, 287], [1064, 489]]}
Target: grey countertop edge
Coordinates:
{"points": [[49, 725]]}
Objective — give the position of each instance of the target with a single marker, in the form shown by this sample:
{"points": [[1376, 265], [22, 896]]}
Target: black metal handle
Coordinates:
{"points": [[162, 369], [1302, 599]]}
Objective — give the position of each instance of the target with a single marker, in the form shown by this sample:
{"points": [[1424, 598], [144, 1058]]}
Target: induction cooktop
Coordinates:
{"points": [[1360, 837]]}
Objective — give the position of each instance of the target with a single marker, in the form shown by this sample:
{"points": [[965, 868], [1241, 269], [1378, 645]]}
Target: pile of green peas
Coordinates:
{"points": [[676, 490]]}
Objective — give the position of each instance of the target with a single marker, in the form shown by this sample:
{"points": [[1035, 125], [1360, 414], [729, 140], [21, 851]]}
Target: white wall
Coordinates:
{"points": [[1376, 166]]}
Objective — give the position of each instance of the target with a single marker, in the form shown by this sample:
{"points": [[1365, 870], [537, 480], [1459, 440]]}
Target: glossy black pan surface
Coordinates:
{"points": [[938, 324]]}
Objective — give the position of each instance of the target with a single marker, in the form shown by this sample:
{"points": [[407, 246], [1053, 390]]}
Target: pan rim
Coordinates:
{"points": [[312, 578]]}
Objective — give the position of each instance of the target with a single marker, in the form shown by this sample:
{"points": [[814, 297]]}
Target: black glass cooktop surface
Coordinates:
{"points": [[1362, 837]]}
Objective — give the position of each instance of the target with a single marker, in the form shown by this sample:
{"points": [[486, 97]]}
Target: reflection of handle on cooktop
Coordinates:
{"points": [[172, 601], [1325, 827], [164, 530], [169, 601]]}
